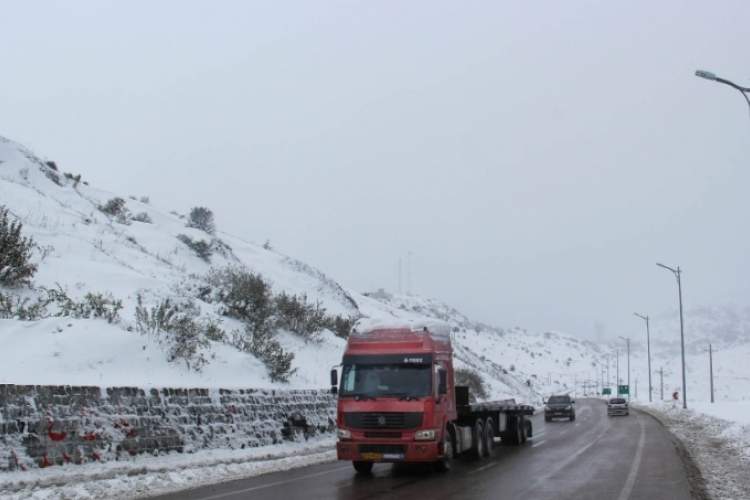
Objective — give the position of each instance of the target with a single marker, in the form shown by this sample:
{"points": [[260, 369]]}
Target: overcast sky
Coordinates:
{"points": [[537, 158]]}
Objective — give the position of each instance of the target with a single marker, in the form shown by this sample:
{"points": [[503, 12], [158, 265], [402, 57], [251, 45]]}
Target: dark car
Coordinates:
{"points": [[559, 407]]}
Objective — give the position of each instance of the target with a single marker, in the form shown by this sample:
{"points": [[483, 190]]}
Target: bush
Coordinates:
{"points": [[116, 208], [341, 326], [178, 326], [16, 268], [245, 296], [297, 315], [142, 217], [202, 248], [477, 387], [263, 346], [202, 218], [93, 305]]}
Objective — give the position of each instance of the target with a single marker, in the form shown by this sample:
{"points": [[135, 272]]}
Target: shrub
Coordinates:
{"points": [[117, 209], [16, 267], [297, 315], [142, 217], [477, 387], [93, 305], [202, 218], [267, 349], [245, 296], [178, 326], [341, 326], [114, 207], [202, 248], [75, 178]]}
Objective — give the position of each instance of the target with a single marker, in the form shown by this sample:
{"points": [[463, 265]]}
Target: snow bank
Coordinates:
{"points": [[720, 447]]}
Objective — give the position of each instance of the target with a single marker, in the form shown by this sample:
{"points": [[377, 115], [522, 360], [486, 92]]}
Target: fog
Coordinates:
{"points": [[536, 160]]}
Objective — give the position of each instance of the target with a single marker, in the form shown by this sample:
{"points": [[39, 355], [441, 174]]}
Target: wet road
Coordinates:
{"points": [[595, 457]]}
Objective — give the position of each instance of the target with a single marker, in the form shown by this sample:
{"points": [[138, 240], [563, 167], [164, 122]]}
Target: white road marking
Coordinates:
{"points": [[271, 485], [540, 443], [484, 467], [630, 481]]}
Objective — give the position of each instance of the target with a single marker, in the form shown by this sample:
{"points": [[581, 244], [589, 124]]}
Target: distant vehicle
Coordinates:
{"points": [[398, 402], [617, 406], [559, 407]]}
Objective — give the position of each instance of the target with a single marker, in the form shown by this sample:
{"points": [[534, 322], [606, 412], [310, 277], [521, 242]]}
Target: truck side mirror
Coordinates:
{"points": [[442, 382], [334, 381]]}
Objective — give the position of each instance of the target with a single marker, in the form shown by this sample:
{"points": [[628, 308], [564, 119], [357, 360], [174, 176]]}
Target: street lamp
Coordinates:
{"points": [[678, 274], [648, 350], [710, 76], [711, 368], [627, 342]]}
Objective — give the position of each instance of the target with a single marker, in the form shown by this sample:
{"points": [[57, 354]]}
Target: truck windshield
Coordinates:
{"points": [[386, 380]]}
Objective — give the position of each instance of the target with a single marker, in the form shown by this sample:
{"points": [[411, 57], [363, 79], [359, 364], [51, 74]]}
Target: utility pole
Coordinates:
{"points": [[678, 274], [408, 273], [711, 369], [617, 367], [648, 350]]}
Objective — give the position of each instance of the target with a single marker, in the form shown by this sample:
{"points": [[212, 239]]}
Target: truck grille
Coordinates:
{"points": [[383, 434], [390, 420]]}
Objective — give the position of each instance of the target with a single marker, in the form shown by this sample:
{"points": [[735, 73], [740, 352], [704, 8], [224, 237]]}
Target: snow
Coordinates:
{"points": [[149, 476], [720, 446], [84, 250]]}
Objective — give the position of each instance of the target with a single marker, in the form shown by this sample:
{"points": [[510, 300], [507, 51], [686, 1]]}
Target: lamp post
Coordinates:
{"points": [[617, 369], [627, 342], [678, 274], [711, 76], [648, 350], [711, 369]]}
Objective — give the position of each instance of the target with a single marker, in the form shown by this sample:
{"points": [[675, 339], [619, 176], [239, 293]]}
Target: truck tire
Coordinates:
{"points": [[362, 467], [477, 437], [523, 430], [489, 436], [444, 464]]}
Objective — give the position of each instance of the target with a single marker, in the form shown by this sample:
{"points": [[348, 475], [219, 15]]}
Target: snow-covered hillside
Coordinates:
{"points": [[726, 328], [82, 249]]}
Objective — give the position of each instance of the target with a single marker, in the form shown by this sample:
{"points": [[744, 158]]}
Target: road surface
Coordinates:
{"points": [[596, 457]]}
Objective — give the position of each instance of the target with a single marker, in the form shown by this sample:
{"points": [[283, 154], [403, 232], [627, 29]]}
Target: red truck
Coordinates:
{"points": [[398, 402]]}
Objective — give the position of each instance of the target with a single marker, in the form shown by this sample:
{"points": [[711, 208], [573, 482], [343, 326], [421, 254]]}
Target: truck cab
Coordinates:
{"points": [[398, 402], [395, 396]]}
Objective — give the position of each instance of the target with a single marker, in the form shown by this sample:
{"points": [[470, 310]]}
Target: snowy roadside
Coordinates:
{"points": [[148, 476], [720, 447]]}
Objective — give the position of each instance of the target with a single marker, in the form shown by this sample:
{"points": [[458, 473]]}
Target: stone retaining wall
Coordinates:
{"points": [[51, 425]]}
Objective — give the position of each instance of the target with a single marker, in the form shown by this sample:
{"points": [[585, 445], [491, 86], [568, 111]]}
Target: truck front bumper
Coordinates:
{"points": [[395, 451]]}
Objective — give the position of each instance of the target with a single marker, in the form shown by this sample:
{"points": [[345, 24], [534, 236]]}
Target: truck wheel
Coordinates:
{"points": [[523, 432], [444, 464], [478, 439], [362, 467], [489, 436]]}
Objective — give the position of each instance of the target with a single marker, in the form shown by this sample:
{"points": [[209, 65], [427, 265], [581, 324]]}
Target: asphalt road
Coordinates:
{"points": [[595, 457]]}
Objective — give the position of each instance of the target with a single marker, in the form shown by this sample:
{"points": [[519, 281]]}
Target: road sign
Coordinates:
{"points": [[606, 391], [623, 389]]}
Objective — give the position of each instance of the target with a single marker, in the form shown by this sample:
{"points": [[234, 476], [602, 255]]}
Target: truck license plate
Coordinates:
{"points": [[375, 457]]}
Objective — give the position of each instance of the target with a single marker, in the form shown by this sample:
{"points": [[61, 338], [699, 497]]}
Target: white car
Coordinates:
{"points": [[617, 406]]}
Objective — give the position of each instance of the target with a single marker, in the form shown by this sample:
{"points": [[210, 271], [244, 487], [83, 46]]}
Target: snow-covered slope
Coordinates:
{"points": [[726, 328], [82, 250]]}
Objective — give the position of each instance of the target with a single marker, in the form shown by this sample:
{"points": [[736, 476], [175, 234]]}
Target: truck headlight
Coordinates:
{"points": [[425, 435], [344, 434]]}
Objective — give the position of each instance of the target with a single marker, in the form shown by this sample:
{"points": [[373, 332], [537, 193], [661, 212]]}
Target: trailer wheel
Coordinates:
{"points": [[362, 467], [489, 436], [478, 439], [522, 430]]}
